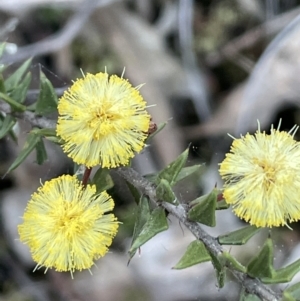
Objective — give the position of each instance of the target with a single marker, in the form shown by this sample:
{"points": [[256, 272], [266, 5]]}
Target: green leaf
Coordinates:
{"points": [[195, 253], [14, 104], [156, 223], [229, 261], [20, 91], [171, 172], [30, 144], [238, 237], [41, 154], [44, 132], [285, 274], [292, 293], [262, 265], [7, 124], [188, 171], [142, 215], [165, 193], [47, 100], [15, 78], [159, 128], [219, 268], [102, 180], [203, 209]]}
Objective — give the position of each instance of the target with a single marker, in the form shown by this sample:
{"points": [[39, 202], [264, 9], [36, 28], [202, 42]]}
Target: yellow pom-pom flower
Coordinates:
{"points": [[262, 178], [103, 120], [65, 225]]}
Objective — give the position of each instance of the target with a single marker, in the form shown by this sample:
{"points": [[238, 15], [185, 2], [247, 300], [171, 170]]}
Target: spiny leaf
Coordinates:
{"points": [[15, 78], [171, 172], [47, 100], [195, 253], [165, 193], [188, 171], [156, 223], [142, 216], [20, 91], [203, 209], [238, 237], [262, 265], [229, 261], [285, 274]]}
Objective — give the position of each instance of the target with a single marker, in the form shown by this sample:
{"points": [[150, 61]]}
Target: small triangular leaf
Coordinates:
{"points": [[20, 91], [47, 100], [15, 78], [156, 223], [229, 261], [285, 274], [194, 254], [6, 125], [238, 237], [41, 154], [102, 180], [165, 193], [142, 216], [262, 265], [188, 171], [222, 205], [30, 144], [292, 293], [203, 209], [171, 172]]}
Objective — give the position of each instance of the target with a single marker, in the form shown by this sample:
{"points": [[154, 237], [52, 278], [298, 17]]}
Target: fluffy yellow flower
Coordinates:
{"points": [[262, 178], [65, 225], [102, 120]]}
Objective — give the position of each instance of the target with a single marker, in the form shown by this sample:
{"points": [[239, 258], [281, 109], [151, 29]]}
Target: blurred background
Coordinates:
{"points": [[209, 68]]}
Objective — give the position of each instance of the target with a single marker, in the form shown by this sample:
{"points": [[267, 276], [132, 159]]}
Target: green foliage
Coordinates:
{"points": [[262, 264], [164, 192], [238, 237], [195, 253], [203, 209], [13, 80], [47, 100], [155, 223], [171, 172], [6, 124]]}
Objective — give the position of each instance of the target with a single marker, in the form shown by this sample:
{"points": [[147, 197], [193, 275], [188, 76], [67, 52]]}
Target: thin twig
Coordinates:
{"points": [[253, 286], [60, 39]]}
